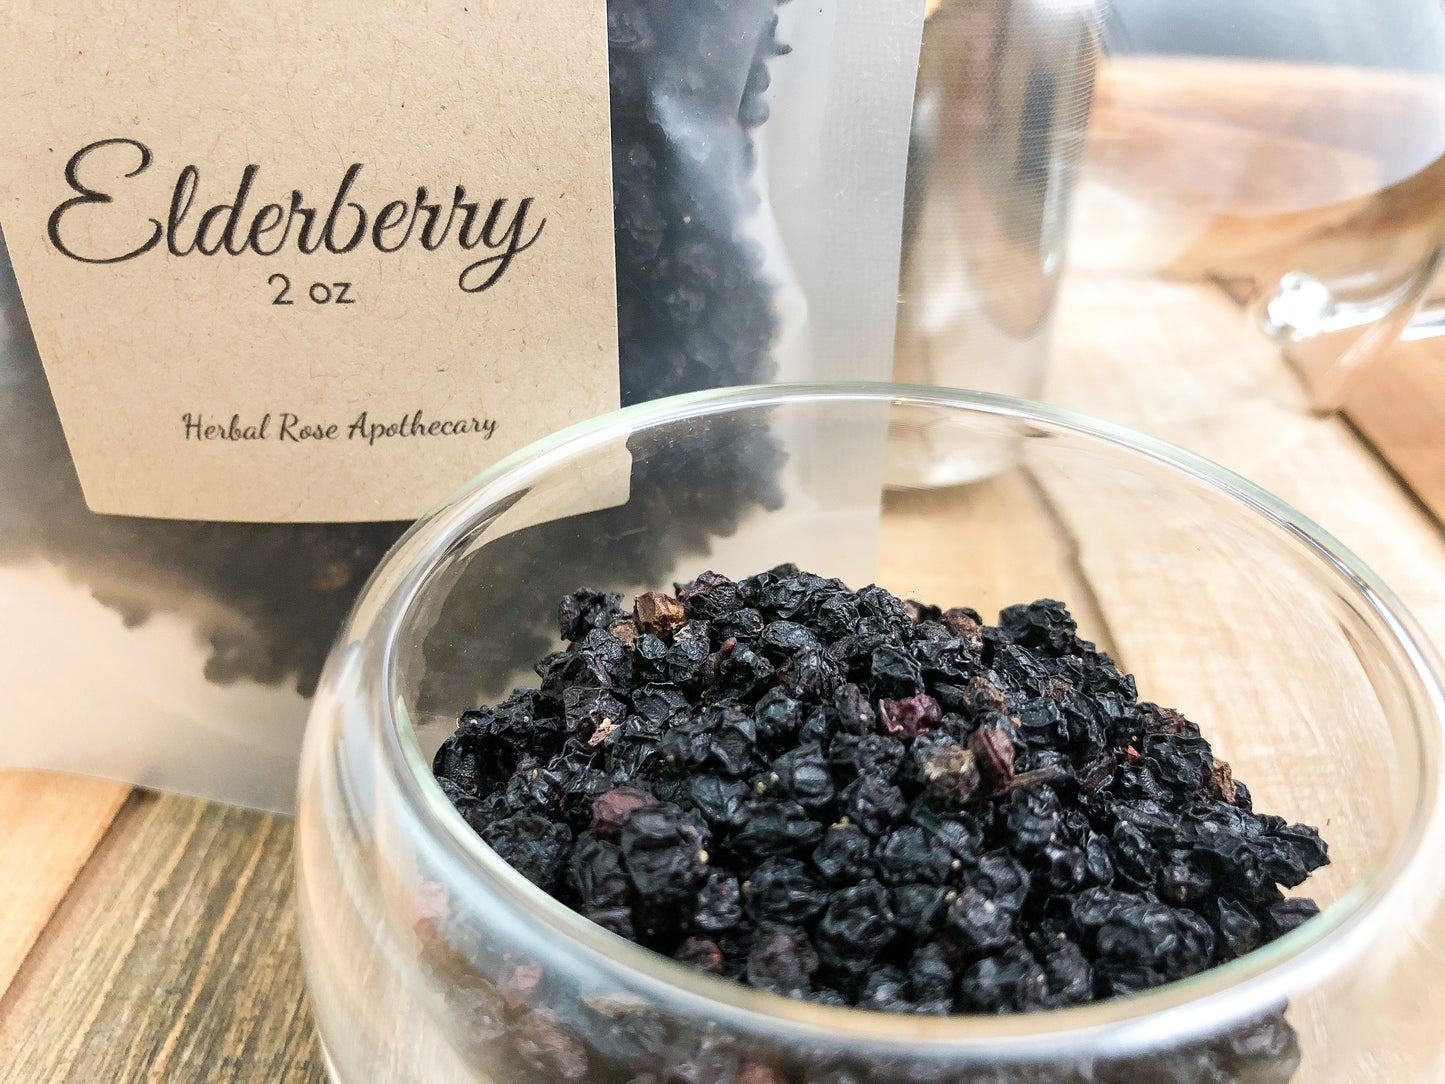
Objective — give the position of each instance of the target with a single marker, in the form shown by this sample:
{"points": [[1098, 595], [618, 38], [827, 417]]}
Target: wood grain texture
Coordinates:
{"points": [[1177, 361], [49, 825], [986, 545], [1398, 404], [1245, 168], [1244, 171], [173, 958]]}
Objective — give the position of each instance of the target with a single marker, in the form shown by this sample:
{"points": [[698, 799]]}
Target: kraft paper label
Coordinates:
{"points": [[309, 260]]}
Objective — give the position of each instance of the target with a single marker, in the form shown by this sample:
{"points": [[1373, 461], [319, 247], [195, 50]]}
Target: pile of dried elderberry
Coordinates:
{"points": [[862, 801]]}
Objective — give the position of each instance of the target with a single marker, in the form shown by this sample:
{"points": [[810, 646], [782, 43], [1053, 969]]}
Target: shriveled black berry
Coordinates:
{"points": [[532, 845], [919, 908], [872, 804], [662, 852], [778, 716], [1012, 980], [854, 712], [931, 979], [718, 906], [781, 640], [784, 890], [959, 832], [1001, 878], [1044, 625], [894, 672], [584, 610], [844, 855], [686, 662], [1139, 942], [766, 828], [701, 954], [1070, 978], [740, 626], [781, 960], [856, 926], [810, 674], [720, 800], [910, 854], [1239, 931], [886, 989], [802, 775], [709, 596], [595, 877], [981, 925], [874, 756], [1288, 914], [616, 920]]}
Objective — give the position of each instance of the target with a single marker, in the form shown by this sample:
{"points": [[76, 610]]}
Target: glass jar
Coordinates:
{"points": [[1290, 154], [429, 959]]}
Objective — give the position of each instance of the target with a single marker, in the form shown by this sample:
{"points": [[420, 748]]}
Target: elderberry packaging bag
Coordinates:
{"points": [[290, 276]]}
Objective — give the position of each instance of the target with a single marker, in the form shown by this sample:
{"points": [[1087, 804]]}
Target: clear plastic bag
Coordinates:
{"points": [[179, 654]]}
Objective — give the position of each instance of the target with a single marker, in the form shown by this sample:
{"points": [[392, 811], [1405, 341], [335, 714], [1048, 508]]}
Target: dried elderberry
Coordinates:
{"points": [[894, 807]]}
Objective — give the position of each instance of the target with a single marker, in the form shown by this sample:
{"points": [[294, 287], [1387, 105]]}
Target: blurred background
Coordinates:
{"points": [[1115, 206]]}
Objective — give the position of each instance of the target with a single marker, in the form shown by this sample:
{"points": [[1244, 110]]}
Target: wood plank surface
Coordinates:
{"points": [[1177, 361], [49, 825], [1241, 167], [987, 545], [1398, 404], [173, 958]]}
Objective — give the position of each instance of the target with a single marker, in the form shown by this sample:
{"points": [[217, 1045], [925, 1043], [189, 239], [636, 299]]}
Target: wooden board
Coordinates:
{"points": [[1243, 167], [1177, 361], [987, 545], [1398, 404], [49, 825], [172, 958]]}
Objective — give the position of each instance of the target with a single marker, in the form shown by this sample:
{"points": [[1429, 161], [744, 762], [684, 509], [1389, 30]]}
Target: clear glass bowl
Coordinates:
{"points": [[428, 959]]}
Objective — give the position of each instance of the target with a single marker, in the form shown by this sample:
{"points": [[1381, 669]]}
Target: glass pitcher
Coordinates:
{"points": [[1292, 152]]}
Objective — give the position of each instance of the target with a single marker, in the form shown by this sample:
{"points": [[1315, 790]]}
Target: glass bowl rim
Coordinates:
{"points": [[1241, 989]]}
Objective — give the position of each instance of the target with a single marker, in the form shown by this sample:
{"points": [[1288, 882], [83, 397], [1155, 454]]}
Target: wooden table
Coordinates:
{"points": [[144, 935]]}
